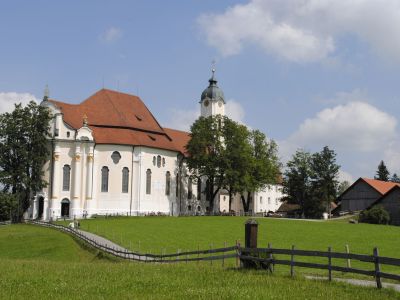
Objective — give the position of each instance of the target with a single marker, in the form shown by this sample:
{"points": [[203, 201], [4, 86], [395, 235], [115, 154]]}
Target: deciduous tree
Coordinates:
{"points": [[24, 151]]}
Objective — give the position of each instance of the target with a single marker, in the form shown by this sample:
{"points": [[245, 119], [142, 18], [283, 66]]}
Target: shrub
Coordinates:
{"points": [[8, 206], [375, 215]]}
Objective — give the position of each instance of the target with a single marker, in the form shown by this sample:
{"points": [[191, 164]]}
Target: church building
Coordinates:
{"points": [[110, 155]]}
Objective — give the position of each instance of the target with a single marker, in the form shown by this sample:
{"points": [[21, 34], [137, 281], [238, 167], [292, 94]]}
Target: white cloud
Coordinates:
{"points": [[356, 126], [8, 99], [183, 119], [112, 34], [235, 111], [305, 30], [345, 176]]}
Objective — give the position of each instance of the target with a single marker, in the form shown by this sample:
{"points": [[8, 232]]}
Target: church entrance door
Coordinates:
{"points": [[41, 207], [65, 208]]}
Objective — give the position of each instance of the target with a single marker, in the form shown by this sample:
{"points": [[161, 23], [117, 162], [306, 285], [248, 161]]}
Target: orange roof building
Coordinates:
{"points": [[363, 193]]}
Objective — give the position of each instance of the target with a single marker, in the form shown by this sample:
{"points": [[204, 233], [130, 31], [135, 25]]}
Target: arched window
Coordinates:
{"points": [[148, 181], [260, 200], [104, 179], [154, 161], [189, 207], [66, 177], [158, 161], [163, 162], [190, 188], [125, 180], [198, 189], [167, 183]]}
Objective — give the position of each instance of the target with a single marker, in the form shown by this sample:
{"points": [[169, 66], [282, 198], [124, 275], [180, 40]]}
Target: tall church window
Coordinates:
{"points": [[148, 181], [125, 180], [158, 161], [104, 179], [177, 186], [190, 188], [167, 183], [66, 177], [198, 189], [154, 161]]}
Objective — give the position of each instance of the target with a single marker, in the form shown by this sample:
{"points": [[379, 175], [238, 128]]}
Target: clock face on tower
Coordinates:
{"points": [[206, 103], [219, 103]]}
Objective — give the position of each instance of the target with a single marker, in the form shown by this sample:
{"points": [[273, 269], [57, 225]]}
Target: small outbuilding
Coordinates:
{"points": [[363, 193], [391, 203]]}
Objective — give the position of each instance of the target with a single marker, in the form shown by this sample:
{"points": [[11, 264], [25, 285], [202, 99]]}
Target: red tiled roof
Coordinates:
{"points": [[119, 118], [179, 138], [381, 186]]}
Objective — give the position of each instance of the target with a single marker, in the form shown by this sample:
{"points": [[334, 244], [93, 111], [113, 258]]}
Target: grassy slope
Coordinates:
{"points": [[37, 280], [155, 233], [29, 242], [40, 263], [189, 233]]}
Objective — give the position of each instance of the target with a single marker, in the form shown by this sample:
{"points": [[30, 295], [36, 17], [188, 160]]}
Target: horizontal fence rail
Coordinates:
{"points": [[249, 255], [253, 255]]}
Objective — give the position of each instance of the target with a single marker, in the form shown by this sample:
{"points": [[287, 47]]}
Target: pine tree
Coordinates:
{"points": [[382, 173]]}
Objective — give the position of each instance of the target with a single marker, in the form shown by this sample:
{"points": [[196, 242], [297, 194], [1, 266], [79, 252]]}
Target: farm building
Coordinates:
{"points": [[363, 193], [391, 203]]}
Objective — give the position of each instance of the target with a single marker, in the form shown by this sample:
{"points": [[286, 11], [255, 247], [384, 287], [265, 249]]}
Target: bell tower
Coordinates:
{"points": [[212, 99]]}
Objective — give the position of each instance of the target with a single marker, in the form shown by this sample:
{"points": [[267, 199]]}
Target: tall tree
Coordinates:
{"points": [[382, 173], [206, 154], [324, 183], [24, 151], [297, 179], [263, 167], [395, 178]]}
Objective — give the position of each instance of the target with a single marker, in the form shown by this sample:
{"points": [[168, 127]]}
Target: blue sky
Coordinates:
{"points": [[307, 73]]}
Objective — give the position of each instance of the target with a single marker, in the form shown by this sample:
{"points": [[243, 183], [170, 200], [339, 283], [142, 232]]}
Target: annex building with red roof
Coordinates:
{"points": [[363, 193]]}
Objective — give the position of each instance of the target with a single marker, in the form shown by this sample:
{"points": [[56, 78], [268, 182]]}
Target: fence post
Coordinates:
{"points": [[198, 253], [329, 263], [211, 254], [348, 260], [251, 229], [377, 269], [271, 265], [237, 253], [223, 256], [292, 262]]}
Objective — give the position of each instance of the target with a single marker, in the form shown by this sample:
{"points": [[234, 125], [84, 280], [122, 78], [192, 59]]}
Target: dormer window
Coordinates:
{"points": [[139, 118]]}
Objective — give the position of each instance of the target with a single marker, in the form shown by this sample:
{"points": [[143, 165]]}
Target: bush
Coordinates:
{"points": [[375, 215]]}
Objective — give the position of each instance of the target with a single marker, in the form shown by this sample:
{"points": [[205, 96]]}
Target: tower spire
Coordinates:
{"points": [[46, 93]]}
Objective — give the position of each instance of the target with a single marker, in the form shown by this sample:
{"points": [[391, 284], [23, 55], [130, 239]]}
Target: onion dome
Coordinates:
{"points": [[213, 92]]}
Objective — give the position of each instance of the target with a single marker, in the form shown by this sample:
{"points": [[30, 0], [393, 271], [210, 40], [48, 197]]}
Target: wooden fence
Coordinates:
{"points": [[251, 257], [120, 252]]}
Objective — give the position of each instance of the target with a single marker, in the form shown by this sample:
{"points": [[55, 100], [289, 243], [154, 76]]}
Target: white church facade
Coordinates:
{"points": [[111, 156]]}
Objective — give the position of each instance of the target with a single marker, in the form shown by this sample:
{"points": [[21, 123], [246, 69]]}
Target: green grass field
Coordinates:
{"points": [[42, 263], [168, 234]]}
